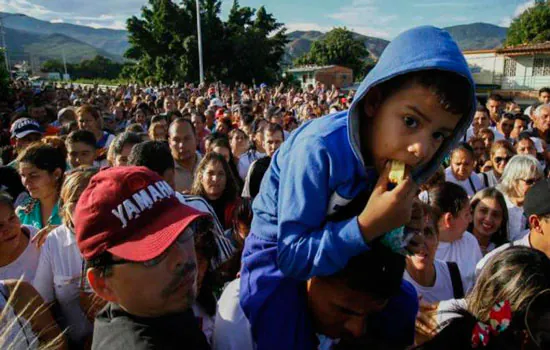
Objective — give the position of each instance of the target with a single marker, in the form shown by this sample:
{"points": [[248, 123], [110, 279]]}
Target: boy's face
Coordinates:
{"points": [[80, 153], [408, 126]]}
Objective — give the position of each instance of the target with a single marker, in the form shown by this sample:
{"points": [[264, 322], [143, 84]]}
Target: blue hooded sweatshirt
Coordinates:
{"points": [[305, 216]]}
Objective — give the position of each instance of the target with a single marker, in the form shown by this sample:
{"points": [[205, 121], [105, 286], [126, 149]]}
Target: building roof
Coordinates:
{"points": [[525, 49], [312, 68]]}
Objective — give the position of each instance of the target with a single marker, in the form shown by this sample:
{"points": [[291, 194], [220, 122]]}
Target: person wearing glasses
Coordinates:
{"points": [[520, 174], [137, 240], [501, 152]]}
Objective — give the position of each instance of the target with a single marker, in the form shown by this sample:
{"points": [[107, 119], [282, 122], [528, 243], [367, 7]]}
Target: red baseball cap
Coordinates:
{"points": [[130, 212]]}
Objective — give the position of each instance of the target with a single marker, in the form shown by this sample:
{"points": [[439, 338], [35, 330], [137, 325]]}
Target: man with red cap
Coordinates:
{"points": [[137, 240]]}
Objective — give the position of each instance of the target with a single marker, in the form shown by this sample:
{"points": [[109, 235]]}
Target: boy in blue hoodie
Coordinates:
{"points": [[326, 196]]}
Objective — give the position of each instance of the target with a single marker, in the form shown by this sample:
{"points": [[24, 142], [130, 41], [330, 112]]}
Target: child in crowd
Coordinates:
{"points": [[326, 198], [81, 149], [451, 208]]}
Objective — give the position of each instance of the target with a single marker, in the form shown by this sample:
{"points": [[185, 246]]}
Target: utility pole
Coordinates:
{"points": [[4, 46], [64, 62], [199, 35]]}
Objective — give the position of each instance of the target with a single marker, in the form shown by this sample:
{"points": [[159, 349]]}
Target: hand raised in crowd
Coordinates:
{"points": [[387, 209], [40, 237]]}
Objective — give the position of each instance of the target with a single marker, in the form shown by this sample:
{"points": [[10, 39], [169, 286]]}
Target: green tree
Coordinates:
{"points": [[164, 44], [98, 67], [337, 47], [532, 26]]}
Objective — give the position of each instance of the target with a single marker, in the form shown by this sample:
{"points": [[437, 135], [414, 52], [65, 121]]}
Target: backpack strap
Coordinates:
{"points": [[485, 179], [456, 280], [472, 184]]}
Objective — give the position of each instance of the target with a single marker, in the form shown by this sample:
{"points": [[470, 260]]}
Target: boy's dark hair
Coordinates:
{"points": [[273, 128], [465, 147], [522, 117], [385, 272], [452, 90], [482, 108], [509, 116], [524, 136], [83, 136], [543, 90], [495, 97], [154, 155], [446, 198], [248, 119]]}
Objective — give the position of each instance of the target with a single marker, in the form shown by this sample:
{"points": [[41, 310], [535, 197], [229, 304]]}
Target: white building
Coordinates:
{"points": [[516, 72]]}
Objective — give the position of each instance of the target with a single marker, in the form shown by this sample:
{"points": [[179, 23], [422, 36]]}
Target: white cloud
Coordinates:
{"points": [[364, 17], [306, 26], [521, 8]]}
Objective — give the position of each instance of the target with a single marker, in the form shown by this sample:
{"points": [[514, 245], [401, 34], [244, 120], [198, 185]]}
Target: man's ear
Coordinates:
{"points": [[372, 101], [100, 286], [534, 224]]}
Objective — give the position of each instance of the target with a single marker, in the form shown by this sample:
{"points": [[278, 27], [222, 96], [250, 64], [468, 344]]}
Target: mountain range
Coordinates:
{"points": [[31, 39]]}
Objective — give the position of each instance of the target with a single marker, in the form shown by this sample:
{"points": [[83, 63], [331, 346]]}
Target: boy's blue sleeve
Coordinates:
{"points": [[307, 244]]}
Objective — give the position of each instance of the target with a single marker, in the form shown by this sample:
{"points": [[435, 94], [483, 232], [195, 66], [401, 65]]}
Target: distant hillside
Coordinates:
{"points": [[26, 46], [301, 41], [109, 40], [478, 36]]}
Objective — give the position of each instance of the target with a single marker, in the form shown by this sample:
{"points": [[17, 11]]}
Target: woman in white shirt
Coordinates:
{"points": [[490, 219], [18, 255], [461, 170], [520, 174], [59, 274], [451, 207]]}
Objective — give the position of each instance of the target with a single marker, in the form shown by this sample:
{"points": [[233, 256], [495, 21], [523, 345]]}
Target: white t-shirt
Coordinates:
{"points": [[523, 242], [466, 253], [465, 184], [517, 222], [25, 265], [231, 328], [245, 160], [58, 279], [442, 288], [491, 178]]}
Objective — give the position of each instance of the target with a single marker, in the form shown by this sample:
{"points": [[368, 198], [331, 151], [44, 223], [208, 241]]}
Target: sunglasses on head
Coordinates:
{"points": [[502, 159], [530, 182]]}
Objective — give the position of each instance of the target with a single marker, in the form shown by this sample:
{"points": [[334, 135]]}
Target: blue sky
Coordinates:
{"points": [[381, 18]]}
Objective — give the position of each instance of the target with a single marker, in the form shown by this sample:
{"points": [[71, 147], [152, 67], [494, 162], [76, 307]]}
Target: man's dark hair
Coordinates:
{"points": [[482, 108], [154, 155], [181, 121], [452, 90], [465, 147], [83, 136], [495, 97], [273, 128], [524, 136], [377, 272], [543, 90], [248, 119], [522, 117], [509, 116]]}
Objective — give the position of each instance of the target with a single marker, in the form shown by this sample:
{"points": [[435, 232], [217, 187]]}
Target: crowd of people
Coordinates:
{"points": [[262, 217]]}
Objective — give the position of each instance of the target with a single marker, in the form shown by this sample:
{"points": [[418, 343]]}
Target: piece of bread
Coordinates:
{"points": [[397, 172]]}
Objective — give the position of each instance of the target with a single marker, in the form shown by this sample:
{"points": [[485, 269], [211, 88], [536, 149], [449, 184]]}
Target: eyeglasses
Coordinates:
{"points": [[530, 182], [502, 159]]}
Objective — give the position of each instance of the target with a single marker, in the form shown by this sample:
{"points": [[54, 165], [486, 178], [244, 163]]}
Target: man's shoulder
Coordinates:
{"points": [[113, 330]]}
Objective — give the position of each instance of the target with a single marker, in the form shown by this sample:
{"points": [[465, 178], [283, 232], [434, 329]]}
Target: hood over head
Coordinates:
{"points": [[418, 49]]}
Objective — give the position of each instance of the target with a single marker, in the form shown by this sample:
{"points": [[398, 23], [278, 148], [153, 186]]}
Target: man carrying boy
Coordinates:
{"points": [[326, 198]]}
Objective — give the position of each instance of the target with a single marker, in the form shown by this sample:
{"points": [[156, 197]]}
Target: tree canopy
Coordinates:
{"points": [[532, 26], [337, 47], [98, 67], [164, 44]]}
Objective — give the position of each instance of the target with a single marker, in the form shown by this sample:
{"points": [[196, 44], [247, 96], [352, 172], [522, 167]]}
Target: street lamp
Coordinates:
{"points": [[199, 36], [3, 33]]}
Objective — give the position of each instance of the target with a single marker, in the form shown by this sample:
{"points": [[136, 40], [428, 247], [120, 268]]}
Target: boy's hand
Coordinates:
{"points": [[387, 209]]}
